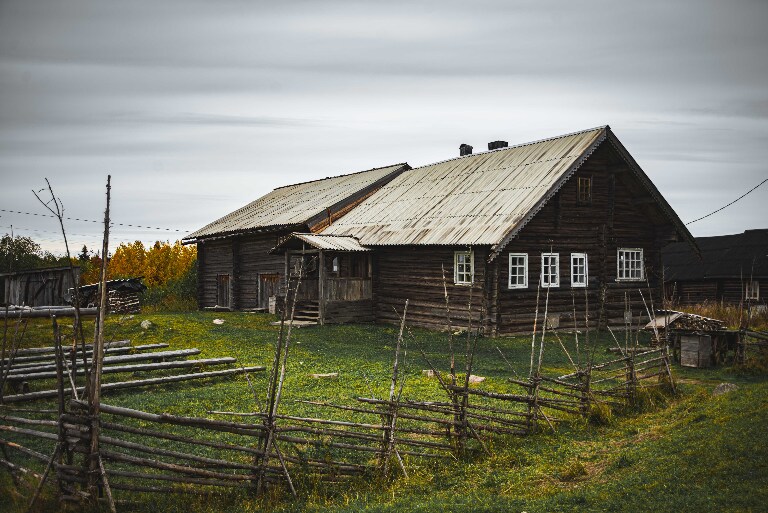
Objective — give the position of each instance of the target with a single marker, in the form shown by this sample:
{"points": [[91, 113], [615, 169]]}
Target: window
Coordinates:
{"points": [[335, 265], [752, 290], [585, 189], [463, 267], [578, 269], [518, 270], [629, 264], [550, 270]]}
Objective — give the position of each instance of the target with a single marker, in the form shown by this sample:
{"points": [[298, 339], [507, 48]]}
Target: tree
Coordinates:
{"points": [[17, 253], [83, 256]]}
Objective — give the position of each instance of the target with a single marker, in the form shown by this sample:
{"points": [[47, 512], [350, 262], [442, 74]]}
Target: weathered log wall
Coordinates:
{"points": [[416, 273], [244, 258], [39, 287], [339, 312], [727, 290]]}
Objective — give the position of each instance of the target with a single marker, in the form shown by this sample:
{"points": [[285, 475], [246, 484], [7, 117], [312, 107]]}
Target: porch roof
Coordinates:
{"points": [[320, 241]]}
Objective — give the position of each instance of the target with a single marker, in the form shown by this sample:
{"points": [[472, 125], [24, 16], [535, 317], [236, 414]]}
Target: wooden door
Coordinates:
{"points": [[268, 286], [223, 291]]}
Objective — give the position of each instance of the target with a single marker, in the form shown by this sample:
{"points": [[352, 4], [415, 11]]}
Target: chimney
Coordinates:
{"points": [[465, 149], [495, 145]]}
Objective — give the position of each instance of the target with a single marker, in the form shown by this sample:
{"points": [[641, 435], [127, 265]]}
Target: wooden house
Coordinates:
{"points": [[38, 287], [731, 269], [570, 222], [235, 269]]}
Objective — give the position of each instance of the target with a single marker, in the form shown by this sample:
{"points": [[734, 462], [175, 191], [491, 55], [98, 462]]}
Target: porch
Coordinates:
{"points": [[335, 285]]}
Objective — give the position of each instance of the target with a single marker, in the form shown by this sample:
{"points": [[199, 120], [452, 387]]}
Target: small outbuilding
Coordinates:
{"points": [[38, 287], [732, 269]]}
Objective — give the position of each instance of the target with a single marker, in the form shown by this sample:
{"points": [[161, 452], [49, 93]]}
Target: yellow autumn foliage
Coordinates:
{"points": [[159, 264]]}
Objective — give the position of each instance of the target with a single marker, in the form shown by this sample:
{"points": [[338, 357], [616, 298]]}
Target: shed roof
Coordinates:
{"points": [[322, 241], [480, 199], [295, 205], [738, 256]]}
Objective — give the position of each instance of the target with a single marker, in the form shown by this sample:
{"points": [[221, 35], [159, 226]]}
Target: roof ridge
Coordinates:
{"points": [[506, 148], [339, 176]]}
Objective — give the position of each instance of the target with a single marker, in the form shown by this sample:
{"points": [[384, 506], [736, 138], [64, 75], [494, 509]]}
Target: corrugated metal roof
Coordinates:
{"points": [[294, 204], [329, 242], [472, 200]]}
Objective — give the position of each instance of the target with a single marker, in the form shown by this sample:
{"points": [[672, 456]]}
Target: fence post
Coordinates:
{"points": [[631, 379], [585, 378]]}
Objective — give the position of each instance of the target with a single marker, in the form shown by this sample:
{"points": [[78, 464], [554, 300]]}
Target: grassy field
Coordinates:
{"points": [[694, 452]]}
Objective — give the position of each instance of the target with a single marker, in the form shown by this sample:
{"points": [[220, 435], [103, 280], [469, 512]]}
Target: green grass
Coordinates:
{"points": [[694, 452]]}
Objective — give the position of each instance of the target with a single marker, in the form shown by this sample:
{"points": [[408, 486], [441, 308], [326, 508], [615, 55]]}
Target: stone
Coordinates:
{"points": [[724, 388]]}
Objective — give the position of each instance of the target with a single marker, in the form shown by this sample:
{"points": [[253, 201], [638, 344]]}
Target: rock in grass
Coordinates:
{"points": [[146, 324], [218, 321], [724, 388]]}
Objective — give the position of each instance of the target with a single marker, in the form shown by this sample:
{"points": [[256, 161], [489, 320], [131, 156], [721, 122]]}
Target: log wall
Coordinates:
{"points": [[727, 290], [39, 287], [244, 258], [415, 273]]}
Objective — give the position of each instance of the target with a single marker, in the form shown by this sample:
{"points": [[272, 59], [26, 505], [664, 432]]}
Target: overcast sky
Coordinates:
{"points": [[198, 107]]}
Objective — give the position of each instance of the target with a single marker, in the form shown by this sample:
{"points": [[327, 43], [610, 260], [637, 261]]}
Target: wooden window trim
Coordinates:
{"points": [[579, 284], [752, 290], [556, 274], [584, 193], [523, 285], [456, 273], [626, 270]]}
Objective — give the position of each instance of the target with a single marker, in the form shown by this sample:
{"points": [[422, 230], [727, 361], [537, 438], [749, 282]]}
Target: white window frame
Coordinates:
{"points": [[579, 280], [524, 284], [459, 277], [556, 274], [624, 272], [752, 290]]}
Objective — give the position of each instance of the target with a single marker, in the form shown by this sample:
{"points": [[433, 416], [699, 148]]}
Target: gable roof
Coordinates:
{"points": [[479, 199], [739, 256], [298, 204]]}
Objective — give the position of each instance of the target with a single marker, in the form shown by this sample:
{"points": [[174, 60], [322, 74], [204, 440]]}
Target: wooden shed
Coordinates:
{"points": [[38, 287], [729, 268]]}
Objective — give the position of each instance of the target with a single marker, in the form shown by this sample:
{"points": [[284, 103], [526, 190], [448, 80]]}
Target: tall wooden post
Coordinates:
{"points": [[321, 287], [94, 398]]}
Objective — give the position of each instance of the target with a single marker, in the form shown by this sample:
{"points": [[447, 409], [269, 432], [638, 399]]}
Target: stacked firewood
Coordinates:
{"points": [[693, 322]]}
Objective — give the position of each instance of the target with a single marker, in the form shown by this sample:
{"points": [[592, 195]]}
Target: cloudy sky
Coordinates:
{"points": [[198, 107]]}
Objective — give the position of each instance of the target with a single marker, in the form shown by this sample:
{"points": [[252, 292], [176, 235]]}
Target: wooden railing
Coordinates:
{"points": [[347, 289]]}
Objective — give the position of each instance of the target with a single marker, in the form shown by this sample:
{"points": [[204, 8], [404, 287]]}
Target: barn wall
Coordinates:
{"points": [[44, 287], [620, 215], [727, 290], [416, 273], [244, 258]]}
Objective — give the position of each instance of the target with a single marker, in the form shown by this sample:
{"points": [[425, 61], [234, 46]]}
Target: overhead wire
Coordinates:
{"points": [[91, 220], [728, 205]]}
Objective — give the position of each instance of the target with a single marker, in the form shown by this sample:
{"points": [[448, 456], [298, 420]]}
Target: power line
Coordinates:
{"points": [[728, 205], [92, 221]]}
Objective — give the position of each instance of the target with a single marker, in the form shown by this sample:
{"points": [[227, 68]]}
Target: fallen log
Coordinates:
{"points": [[29, 361], [47, 312], [52, 350], [46, 394], [111, 360], [131, 368]]}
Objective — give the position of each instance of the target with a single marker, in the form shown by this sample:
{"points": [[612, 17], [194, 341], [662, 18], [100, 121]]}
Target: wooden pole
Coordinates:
{"points": [[94, 397]]}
